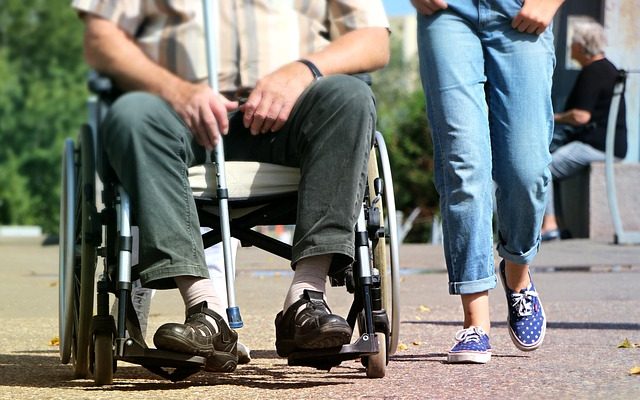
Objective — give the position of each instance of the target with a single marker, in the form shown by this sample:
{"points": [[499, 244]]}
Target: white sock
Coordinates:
{"points": [[311, 273], [214, 257], [195, 290]]}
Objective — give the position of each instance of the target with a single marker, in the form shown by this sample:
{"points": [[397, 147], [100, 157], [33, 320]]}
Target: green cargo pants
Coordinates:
{"points": [[328, 136]]}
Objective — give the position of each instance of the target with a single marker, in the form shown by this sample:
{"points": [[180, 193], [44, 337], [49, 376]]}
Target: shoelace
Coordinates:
{"points": [[522, 302], [470, 334]]}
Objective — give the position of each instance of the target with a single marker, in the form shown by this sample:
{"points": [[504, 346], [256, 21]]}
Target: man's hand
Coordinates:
{"points": [[271, 101], [536, 15], [268, 107], [204, 112], [111, 51], [429, 7]]}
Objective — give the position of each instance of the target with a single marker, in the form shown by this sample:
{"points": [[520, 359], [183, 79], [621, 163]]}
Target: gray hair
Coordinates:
{"points": [[589, 34]]}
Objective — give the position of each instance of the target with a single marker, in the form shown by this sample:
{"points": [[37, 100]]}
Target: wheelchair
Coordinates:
{"points": [[93, 340]]}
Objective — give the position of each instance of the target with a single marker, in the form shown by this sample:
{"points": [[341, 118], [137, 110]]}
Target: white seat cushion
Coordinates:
{"points": [[245, 179]]}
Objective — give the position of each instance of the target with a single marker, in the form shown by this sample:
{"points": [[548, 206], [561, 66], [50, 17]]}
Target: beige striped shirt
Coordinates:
{"points": [[255, 37]]}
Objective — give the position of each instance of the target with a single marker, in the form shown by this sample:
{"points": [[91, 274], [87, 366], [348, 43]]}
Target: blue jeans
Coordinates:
{"points": [[567, 161], [488, 91]]}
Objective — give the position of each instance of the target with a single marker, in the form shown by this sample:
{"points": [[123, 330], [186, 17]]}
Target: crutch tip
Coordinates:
{"points": [[235, 320]]}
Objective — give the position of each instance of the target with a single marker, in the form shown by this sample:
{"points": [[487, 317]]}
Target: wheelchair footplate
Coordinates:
{"points": [[169, 365], [325, 359]]}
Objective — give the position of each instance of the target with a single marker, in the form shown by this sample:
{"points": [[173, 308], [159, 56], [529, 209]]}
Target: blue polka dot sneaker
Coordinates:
{"points": [[526, 319], [472, 346]]}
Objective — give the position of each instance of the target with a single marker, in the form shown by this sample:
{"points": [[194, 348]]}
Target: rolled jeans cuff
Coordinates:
{"points": [[471, 287], [525, 258]]}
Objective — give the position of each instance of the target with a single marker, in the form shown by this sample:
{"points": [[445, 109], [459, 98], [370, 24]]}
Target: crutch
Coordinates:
{"points": [[211, 18]]}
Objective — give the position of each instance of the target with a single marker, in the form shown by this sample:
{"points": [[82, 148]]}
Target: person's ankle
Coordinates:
{"points": [[549, 223], [486, 327], [311, 274], [517, 276]]}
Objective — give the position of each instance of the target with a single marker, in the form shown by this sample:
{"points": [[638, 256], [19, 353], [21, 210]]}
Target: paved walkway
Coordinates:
{"points": [[590, 291]]}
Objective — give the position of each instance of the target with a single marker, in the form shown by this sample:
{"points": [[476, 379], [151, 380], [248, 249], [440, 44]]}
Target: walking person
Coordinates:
{"points": [[486, 69]]}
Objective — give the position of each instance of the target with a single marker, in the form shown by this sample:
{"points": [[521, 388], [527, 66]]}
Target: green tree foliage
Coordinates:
{"points": [[42, 97], [403, 122]]}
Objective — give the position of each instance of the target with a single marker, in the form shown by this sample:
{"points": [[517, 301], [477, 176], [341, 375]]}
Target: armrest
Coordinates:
{"points": [[364, 76], [102, 86]]}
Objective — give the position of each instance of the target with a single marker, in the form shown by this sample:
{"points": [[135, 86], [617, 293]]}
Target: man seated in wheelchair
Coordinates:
{"points": [[291, 60]]}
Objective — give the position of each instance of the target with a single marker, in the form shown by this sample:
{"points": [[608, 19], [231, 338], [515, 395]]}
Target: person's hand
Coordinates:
{"points": [[429, 7], [536, 15], [268, 107], [204, 112]]}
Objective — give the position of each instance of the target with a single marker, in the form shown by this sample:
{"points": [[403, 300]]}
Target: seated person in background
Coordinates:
{"points": [[583, 124], [169, 119]]}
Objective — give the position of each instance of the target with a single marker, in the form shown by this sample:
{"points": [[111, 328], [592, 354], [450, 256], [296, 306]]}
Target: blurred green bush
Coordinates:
{"points": [[42, 97]]}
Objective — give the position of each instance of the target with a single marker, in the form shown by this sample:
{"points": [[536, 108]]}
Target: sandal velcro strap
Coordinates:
{"points": [[314, 297], [201, 308], [308, 296]]}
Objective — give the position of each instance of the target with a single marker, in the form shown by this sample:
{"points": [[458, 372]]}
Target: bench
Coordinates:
{"points": [[603, 201], [585, 205]]}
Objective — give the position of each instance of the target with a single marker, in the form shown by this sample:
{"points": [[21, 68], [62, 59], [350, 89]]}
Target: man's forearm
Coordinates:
{"points": [[110, 51], [362, 50]]}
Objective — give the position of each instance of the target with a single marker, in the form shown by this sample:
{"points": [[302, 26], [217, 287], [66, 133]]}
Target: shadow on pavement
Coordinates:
{"points": [[42, 369], [258, 354], [438, 357], [614, 326], [430, 357]]}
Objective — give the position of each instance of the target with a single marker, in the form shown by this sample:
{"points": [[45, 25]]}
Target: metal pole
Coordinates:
{"points": [[124, 257], [211, 18], [621, 236]]}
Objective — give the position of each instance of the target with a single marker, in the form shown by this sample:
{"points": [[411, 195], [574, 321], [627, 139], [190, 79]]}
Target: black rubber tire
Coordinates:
{"points": [[88, 253], [103, 359], [68, 229]]}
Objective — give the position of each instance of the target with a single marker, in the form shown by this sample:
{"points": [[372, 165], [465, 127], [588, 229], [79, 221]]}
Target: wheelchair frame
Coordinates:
{"points": [[374, 284], [96, 342]]}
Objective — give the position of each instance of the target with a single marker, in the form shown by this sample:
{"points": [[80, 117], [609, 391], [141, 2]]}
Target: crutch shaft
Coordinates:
{"points": [[210, 9]]}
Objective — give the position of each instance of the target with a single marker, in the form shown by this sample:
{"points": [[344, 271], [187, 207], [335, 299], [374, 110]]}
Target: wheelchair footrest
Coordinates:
{"points": [[326, 359], [170, 365]]}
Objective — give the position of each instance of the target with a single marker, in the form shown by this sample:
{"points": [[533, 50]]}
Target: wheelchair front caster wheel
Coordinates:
{"points": [[103, 363], [376, 364]]}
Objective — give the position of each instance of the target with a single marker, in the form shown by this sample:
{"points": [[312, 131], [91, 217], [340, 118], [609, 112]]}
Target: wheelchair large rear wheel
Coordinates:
{"points": [[68, 209], [385, 258], [79, 255], [386, 252]]}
